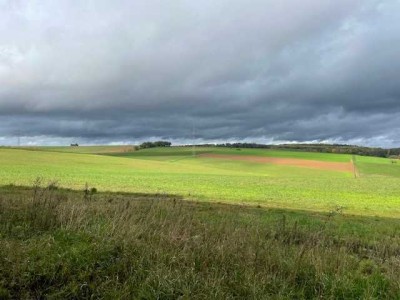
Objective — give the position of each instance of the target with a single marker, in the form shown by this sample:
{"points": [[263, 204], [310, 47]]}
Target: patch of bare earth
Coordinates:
{"points": [[303, 163]]}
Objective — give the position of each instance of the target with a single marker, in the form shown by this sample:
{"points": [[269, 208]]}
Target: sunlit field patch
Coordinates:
{"points": [[182, 171]]}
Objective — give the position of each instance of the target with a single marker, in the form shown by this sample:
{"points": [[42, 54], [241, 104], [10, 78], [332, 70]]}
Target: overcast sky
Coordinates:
{"points": [[237, 70]]}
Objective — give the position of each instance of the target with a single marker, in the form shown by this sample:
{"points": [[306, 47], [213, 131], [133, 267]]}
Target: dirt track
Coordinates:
{"points": [[313, 164]]}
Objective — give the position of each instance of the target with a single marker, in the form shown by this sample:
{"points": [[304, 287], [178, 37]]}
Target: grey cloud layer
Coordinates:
{"points": [[108, 71]]}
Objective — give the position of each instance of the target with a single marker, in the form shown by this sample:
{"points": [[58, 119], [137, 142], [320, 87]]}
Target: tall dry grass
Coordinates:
{"points": [[63, 244]]}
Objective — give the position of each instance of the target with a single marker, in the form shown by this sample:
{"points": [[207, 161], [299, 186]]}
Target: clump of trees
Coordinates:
{"points": [[146, 145]]}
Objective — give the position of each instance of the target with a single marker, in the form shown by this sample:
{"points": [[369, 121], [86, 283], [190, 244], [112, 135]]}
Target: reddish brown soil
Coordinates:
{"points": [[303, 163]]}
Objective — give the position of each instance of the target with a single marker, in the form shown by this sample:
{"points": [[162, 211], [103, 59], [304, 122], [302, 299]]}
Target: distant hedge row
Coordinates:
{"points": [[327, 148]]}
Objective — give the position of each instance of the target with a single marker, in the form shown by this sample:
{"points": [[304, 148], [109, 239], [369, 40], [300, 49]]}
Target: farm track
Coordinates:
{"points": [[303, 163]]}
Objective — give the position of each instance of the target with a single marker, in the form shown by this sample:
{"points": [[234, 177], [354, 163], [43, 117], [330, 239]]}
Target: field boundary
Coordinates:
{"points": [[355, 170]]}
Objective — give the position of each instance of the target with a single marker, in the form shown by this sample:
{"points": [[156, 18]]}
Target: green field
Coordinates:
{"points": [[83, 150], [185, 152], [167, 223], [175, 170]]}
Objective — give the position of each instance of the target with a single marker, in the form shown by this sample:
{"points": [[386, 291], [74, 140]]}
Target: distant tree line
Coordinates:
{"points": [[154, 144], [323, 148], [326, 148]]}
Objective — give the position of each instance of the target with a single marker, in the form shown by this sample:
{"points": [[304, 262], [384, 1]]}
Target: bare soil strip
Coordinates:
{"points": [[303, 163]]}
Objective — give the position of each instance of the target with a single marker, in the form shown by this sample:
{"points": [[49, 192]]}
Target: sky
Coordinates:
{"points": [[266, 71]]}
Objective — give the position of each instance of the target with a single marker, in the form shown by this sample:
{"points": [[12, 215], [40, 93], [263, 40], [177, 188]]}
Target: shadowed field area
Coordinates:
{"points": [[65, 244]]}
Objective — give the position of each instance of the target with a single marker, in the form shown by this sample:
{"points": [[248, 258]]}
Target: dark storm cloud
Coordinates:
{"points": [[266, 71]]}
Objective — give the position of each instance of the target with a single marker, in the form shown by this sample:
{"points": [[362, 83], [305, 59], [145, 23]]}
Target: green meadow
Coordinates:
{"points": [[84, 150], [177, 170], [173, 223]]}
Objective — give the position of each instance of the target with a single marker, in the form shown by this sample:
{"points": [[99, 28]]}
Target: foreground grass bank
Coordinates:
{"points": [[81, 244]]}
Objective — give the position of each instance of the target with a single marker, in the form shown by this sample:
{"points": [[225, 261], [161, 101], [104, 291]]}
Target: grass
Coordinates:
{"points": [[172, 153], [376, 166], [206, 179], [61, 244], [82, 149], [162, 224]]}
